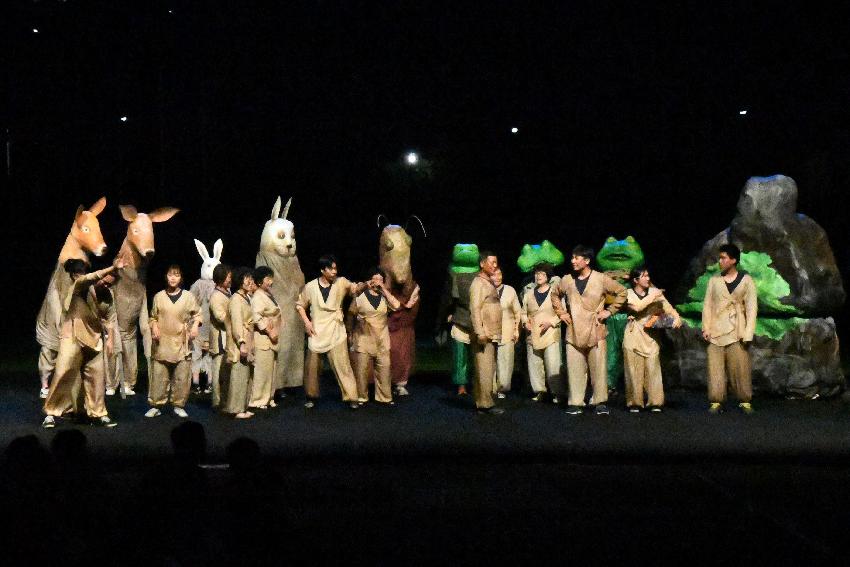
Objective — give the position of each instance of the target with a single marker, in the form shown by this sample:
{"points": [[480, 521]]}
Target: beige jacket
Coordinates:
{"points": [[536, 314], [266, 317], [219, 321], [485, 309], [174, 320], [586, 331], [369, 331], [82, 315], [730, 317], [241, 327], [511, 314], [327, 318], [637, 337]]}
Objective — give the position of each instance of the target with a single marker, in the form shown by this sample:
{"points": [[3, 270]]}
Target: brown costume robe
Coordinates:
{"points": [[172, 355], [486, 313]]}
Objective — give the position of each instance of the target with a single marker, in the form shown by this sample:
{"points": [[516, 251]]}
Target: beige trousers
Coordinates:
{"points": [[341, 367], [262, 386], [235, 382], [732, 361], [173, 377], [46, 363], [544, 367], [504, 367], [130, 361], [484, 357], [217, 365], [72, 362], [363, 365], [580, 363], [643, 378]]}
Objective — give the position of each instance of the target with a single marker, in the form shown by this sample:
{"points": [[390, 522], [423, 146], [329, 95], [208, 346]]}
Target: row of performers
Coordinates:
{"points": [[245, 326]]}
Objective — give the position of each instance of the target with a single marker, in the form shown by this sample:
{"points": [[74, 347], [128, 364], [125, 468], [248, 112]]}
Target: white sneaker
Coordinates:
{"points": [[104, 422], [129, 391], [153, 412], [110, 391], [500, 395], [401, 391], [49, 422], [180, 412], [43, 394]]}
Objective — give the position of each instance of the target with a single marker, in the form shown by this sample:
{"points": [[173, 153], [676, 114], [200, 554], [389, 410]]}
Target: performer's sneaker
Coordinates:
{"points": [[43, 393], [180, 412], [500, 395], [401, 391], [602, 409], [634, 409], [655, 409], [208, 390], [309, 404], [556, 400], [153, 412], [354, 405], [538, 397], [243, 415], [746, 407], [491, 411], [715, 408], [104, 421], [574, 410], [129, 391], [110, 391], [49, 422]]}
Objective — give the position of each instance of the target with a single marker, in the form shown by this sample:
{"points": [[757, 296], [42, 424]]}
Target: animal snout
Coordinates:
{"points": [[101, 251], [148, 253]]}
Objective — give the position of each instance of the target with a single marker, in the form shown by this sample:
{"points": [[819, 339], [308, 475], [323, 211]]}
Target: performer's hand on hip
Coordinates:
{"points": [[308, 326], [706, 335]]}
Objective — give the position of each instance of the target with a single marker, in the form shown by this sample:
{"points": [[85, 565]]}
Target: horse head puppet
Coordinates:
{"points": [[139, 242], [85, 236]]}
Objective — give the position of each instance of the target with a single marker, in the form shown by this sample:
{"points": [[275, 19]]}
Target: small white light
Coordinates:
{"points": [[514, 130], [123, 119], [35, 30], [171, 11], [412, 158], [742, 113]]}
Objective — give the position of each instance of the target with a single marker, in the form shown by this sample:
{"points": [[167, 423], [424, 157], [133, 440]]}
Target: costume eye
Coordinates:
{"points": [[135, 231], [86, 229]]}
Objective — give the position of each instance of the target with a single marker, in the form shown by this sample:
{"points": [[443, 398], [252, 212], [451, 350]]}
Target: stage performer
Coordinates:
{"points": [[394, 253], [543, 342], [326, 330], [728, 323], [486, 314], [585, 314], [219, 328], [84, 335], [648, 311], [267, 326], [505, 350], [240, 348], [202, 289], [454, 309], [174, 320], [83, 239], [370, 337]]}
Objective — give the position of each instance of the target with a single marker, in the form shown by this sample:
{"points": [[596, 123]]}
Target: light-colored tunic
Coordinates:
{"points": [[174, 320], [327, 317], [586, 331], [730, 318], [637, 339]]}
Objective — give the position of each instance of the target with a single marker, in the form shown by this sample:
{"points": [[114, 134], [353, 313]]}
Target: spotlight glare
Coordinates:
{"points": [[35, 30], [412, 158], [123, 119], [514, 130], [742, 112]]}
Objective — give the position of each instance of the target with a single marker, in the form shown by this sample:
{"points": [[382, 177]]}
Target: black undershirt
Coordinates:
{"points": [[375, 300], [540, 296], [176, 297], [581, 284], [637, 293], [731, 286], [499, 290], [326, 292]]}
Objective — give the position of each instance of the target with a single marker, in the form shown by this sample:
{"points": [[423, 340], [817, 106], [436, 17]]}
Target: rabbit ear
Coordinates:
{"points": [[286, 209], [217, 248], [276, 209], [202, 250]]}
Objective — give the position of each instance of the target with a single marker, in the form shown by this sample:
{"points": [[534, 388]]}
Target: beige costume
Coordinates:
{"points": [[330, 338], [171, 354], [730, 320], [486, 313], [543, 350], [234, 397], [511, 315], [586, 348], [640, 349], [219, 331], [370, 347], [80, 349], [266, 320]]}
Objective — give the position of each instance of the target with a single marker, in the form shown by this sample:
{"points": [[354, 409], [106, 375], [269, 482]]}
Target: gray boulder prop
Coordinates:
{"points": [[805, 361]]}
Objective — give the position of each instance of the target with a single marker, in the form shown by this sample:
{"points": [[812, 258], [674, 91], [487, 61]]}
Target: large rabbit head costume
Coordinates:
{"points": [[278, 236], [210, 262]]}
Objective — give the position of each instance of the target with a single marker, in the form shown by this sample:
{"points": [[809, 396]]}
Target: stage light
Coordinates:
{"points": [[412, 158], [514, 130], [35, 30], [171, 11], [742, 112], [123, 119]]}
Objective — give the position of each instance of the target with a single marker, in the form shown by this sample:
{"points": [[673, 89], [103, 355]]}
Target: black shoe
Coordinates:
{"points": [[634, 409], [491, 411], [574, 410], [655, 409], [602, 409]]}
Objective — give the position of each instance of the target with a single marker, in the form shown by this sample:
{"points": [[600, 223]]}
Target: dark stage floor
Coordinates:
{"points": [[429, 479]]}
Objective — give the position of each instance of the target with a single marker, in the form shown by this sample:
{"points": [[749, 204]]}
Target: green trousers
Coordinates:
{"points": [[460, 366], [616, 330]]}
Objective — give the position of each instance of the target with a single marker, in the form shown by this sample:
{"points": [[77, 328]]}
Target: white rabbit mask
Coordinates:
{"points": [[210, 262], [278, 236]]}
